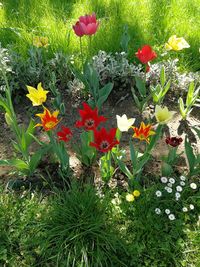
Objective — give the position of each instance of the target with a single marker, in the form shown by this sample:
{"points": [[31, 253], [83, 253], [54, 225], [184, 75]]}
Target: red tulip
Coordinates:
{"points": [[87, 25], [104, 141], [64, 135], [173, 141], [145, 55], [89, 118]]}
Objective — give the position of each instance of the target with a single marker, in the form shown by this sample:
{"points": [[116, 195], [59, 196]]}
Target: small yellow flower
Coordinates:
{"points": [[130, 197], [176, 44], [136, 193], [40, 41], [123, 123], [37, 96], [163, 115]]}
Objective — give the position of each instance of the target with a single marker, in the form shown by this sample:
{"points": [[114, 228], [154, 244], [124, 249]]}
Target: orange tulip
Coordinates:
{"points": [[143, 132], [48, 120]]}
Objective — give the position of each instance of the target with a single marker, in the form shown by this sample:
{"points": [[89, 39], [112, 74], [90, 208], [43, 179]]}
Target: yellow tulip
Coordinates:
{"points": [[37, 96], [163, 115], [123, 123], [176, 44], [130, 197], [40, 41]]}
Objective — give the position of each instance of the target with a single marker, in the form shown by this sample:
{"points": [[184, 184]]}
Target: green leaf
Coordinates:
{"points": [[142, 161], [141, 86], [162, 76], [190, 94], [4, 104], [155, 138], [124, 169], [29, 132], [182, 107], [62, 108], [106, 90], [17, 163], [137, 102], [133, 155], [166, 89], [35, 159], [190, 155], [92, 78], [104, 93]]}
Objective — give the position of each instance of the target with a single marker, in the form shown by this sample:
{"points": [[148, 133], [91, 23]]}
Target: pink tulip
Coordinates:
{"points": [[78, 29], [87, 25]]}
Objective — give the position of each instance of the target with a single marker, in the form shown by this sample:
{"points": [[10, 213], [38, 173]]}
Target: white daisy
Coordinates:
{"points": [[182, 183], [171, 217], [167, 211], [193, 186], [179, 188], [169, 190], [158, 193], [157, 211], [191, 206], [184, 209], [164, 180], [182, 177], [172, 180], [177, 195]]}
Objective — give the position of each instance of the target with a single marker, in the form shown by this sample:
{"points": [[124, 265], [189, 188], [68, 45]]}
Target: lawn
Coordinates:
{"points": [[149, 22]]}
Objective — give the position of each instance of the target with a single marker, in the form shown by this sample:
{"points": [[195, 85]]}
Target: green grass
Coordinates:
{"points": [[149, 21], [77, 228]]}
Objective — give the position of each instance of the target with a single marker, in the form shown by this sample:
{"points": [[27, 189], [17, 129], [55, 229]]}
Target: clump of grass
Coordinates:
{"points": [[77, 231]]}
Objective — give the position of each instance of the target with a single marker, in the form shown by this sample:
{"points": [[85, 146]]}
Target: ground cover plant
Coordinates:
{"points": [[103, 166]]}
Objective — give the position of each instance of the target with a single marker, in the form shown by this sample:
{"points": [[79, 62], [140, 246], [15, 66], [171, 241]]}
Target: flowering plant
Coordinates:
{"points": [[23, 137], [159, 91], [138, 160], [145, 55], [192, 97], [176, 44], [171, 158], [90, 120], [142, 100], [104, 141], [90, 79]]}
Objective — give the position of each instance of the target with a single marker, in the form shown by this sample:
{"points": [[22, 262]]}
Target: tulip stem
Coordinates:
{"points": [[90, 46], [81, 49]]}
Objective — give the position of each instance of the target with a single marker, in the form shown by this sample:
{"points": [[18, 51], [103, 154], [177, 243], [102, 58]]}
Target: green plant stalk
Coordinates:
{"points": [[90, 47]]}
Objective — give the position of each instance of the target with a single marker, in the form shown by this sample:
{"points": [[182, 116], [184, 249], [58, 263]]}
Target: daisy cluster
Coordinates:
{"points": [[173, 187]]}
